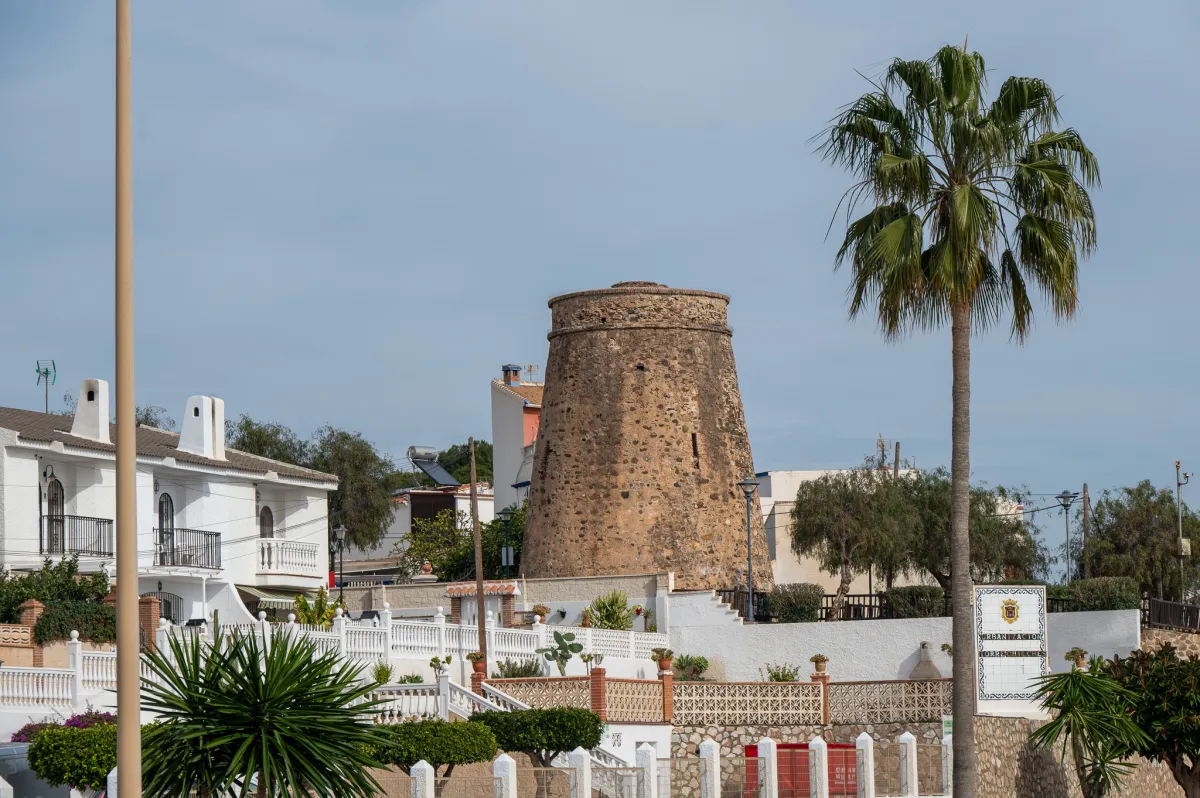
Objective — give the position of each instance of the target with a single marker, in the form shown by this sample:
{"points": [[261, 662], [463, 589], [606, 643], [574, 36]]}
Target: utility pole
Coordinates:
{"points": [[1179, 483], [896, 462], [129, 730], [1087, 507], [478, 554]]}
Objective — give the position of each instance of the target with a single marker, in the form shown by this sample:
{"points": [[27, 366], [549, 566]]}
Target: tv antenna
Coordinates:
{"points": [[531, 371], [47, 376]]}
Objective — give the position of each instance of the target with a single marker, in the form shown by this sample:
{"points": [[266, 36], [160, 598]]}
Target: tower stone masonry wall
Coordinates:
{"points": [[642, 442]]}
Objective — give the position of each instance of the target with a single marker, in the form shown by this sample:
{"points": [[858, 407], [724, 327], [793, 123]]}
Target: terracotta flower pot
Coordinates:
{"points": [[664, 665], [479, 667], [820, 666]]}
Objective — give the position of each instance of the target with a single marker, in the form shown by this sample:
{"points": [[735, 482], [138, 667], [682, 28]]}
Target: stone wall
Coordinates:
{"points": [[1010, 767], [1187, 643], [642, 441]]}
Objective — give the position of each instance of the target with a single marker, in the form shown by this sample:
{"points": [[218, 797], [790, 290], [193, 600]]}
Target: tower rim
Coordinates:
{"points": [[624, 289]]}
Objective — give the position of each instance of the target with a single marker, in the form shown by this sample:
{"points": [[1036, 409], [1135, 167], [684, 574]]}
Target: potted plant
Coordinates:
{"points": [[439, 664], [663, 657], [637, 610], [542, 612], [562, 612], [818, 661], [585, 618], [1078, 656], [477, 663]]}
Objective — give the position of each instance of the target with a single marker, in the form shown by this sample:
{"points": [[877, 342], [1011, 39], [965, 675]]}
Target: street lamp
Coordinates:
{"points": [[339, 532], [506, 553], [748, 485], [1066, 498]]}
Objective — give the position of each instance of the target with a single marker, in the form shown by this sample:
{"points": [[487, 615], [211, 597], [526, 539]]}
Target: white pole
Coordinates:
{"points": [[768, 768], [864, 748], [908, 764], [505, 769], [581, 773], [646, 760], [710, 769], [818, 768], [421, 780]]}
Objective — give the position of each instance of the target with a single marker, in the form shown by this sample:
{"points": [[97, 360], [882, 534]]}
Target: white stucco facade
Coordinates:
{"points": [[205, 522], [516, 411]]}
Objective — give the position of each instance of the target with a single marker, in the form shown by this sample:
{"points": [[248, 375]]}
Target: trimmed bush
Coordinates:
{"points": [[1106, 593], [94, 621], [79, 758], [29, 731], [1060, 592], [438, 742], [917, 601], [798, 603], [543, 733]]}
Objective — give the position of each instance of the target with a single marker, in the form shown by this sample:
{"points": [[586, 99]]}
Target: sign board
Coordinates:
{"points": [[1010, 649], [947, 725]]}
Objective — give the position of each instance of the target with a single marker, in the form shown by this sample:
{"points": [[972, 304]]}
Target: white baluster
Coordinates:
{"points": [[864, 749], [439, 621]]}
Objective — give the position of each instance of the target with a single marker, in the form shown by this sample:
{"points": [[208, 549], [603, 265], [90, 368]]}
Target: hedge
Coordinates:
{"points": [[79, 758], [797, 603], [94, 621], [437, 742], [1106, 593], [544, 733], [917, 601]]}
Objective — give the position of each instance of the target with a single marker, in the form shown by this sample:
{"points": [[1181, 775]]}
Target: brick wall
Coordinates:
{"points": [[1186, 642]]}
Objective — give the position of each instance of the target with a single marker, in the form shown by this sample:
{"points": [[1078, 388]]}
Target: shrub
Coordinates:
{"points": [[690, 666], [52, 583], [1106, 593], [612, 611], [797, 603], [781, 673], [29, 731], [411, 678], [79, 758], [94, 621], [518, 669], [439, 743], [382, 672], [917, 601], [90, 717], [543, 733]]}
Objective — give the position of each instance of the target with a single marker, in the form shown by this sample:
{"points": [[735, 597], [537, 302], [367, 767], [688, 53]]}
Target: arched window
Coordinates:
{"points": [[54, 527], [266, 523], [166, 512]]}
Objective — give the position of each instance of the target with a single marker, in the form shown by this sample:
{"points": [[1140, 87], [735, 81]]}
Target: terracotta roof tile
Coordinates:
{"points": [[531, 392], [50, 427]]}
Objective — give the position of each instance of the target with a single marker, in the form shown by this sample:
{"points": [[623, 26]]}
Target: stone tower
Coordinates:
{"points": [[642, 442]]}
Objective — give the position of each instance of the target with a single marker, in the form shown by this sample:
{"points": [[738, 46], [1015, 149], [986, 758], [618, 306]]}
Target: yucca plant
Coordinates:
{"points": [[242, 715], [971, 205]]}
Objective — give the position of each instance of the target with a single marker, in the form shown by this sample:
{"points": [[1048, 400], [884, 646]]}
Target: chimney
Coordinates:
{"points": [[512, 374], [204, 427], [91, 412]]}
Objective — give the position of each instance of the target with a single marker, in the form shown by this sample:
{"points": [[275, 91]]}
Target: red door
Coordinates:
{"points": [[794, 772]]}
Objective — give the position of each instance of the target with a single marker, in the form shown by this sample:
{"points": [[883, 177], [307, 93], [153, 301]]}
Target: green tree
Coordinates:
{"points": [[154, 416], [849, 521], [457, 460], [970, 203], [266, 439], [1092, 717], [543, 734], [447, 543], [295, 720], [362, 501], [1135, 533], [1003, 545]]}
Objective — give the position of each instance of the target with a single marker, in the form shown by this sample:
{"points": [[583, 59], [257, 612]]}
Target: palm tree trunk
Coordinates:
{"points": [[965, 775]]}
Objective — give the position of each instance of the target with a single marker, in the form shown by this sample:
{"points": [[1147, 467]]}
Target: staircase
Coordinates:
{"points": [[701, 608]]}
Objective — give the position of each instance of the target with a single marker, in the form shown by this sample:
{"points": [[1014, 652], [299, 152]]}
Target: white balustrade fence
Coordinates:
{"points": [[292, 557], [36, 687], [99, 671]]}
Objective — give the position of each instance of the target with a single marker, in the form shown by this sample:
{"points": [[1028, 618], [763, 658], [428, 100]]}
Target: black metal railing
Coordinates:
{"points": [[1061, 604], [170, 606], [1171, 615], [76, 534], [737, 599], [193, 548]]}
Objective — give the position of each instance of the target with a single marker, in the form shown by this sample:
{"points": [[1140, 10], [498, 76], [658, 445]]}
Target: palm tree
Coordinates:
{"points": [[971, 203], [273, 712]]}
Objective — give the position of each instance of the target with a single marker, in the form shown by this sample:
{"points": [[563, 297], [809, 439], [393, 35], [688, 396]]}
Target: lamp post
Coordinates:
{"points": [[1066, 499], [1179, 483], [339, 532], [748, 485], [506, 555]]}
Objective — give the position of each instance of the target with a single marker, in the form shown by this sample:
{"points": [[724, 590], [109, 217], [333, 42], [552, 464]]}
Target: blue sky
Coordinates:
{"points": [[353, 213]]}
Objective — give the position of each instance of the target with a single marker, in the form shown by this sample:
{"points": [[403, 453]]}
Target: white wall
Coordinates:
{"points": [[700, 608], [881, 650], [508, 440], [623, 739]]}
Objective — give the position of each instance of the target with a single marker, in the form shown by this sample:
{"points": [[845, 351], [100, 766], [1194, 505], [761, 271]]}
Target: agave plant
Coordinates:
{"points": [[244, 715]]}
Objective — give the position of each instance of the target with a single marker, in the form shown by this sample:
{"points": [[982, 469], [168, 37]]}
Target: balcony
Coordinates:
{"points": [[278, 557], [187, 548], [76, 534]]}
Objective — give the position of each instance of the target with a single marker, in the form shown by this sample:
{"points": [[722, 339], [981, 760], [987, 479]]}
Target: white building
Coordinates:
{"points": [[209, 519], [516, 414]]}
